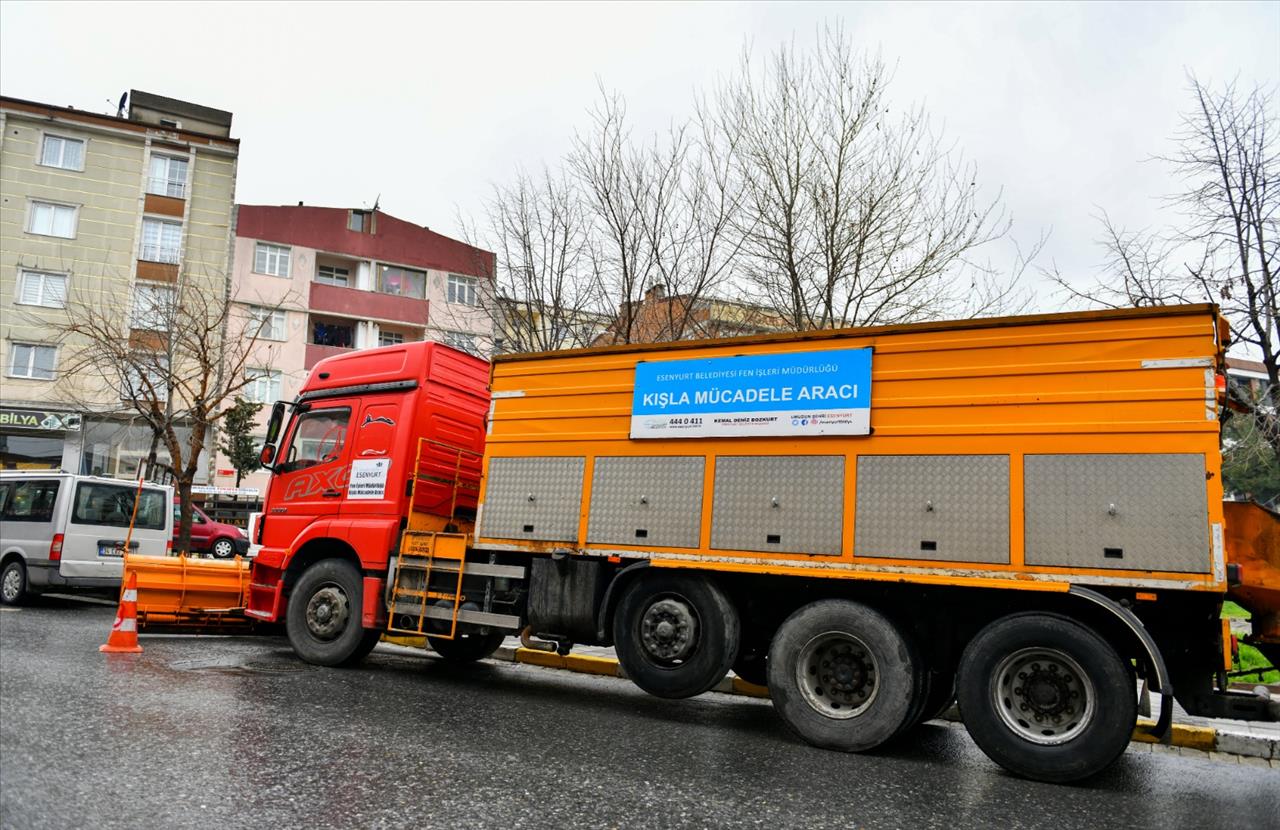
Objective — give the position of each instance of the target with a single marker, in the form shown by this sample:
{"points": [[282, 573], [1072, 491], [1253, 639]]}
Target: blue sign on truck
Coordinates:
{"points": [[795, 393]]}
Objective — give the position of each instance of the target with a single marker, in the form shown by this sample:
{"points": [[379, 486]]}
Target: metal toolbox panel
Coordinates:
{"points": [[646, 501], [786, 504], [949, 508], [533, 498], [1146, 512]]}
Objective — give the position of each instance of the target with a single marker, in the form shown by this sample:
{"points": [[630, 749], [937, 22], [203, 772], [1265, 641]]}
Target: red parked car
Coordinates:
{"points": [[219, 538]]}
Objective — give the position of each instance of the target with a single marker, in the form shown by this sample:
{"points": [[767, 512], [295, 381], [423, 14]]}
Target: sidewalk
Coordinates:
{"points": [[1246, 742]]}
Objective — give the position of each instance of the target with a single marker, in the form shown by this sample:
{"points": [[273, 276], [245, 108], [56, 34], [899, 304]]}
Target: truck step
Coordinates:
{"points": [[414, 563], [509, 621], [405, 593]]}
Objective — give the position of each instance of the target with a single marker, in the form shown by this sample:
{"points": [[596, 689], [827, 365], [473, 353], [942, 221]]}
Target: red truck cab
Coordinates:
{"points": [[343, 458]]}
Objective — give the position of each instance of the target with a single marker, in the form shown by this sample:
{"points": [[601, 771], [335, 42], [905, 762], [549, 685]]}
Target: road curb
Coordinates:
{"points": [[1185, 736]]}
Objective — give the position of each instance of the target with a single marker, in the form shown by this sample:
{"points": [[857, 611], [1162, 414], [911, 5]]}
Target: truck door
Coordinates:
{"points": [[310, 479], [373, 486]]}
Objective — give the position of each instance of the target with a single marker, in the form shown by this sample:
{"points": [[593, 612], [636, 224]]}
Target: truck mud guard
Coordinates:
{"points": [[603, 632], [1162, 684]]}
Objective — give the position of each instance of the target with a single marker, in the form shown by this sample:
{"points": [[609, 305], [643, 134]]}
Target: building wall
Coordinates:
{"points": [[101, 261], [318, 236]]}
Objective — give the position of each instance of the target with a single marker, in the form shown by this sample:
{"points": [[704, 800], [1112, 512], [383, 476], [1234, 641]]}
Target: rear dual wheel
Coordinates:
{"points": [[1046, 697], [676, 635], [843, 676]]}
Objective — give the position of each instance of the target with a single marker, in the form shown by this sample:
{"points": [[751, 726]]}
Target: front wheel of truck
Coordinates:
{"points": [[323, 618]]}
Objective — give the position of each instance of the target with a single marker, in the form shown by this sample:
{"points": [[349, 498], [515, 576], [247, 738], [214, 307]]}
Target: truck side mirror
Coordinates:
{"points": [[267, 456], [275, 422]]}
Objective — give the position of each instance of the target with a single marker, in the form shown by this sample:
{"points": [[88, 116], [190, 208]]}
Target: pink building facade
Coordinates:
{"points": [[325, 281]]}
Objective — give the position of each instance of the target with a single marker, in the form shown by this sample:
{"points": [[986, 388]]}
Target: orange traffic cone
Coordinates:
{"points": [[123, 638]]}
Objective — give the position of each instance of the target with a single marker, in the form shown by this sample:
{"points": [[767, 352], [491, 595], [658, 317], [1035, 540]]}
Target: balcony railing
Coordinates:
{"points": [[167, 187], [167, 254]]}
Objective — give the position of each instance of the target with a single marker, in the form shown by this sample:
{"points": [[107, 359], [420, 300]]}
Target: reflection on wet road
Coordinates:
{"points": [[235, 732]]}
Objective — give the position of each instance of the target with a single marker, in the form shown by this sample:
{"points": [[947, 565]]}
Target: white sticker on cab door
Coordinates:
{"points": [[368, 478]]}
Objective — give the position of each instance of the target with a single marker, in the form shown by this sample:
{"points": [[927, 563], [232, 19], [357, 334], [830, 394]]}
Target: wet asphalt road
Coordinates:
{"points": [[234, 732]]}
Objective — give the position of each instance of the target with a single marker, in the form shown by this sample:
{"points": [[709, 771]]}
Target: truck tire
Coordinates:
{"points": [[842, 676], [752, 664], [468, 647], [676, 635], [1046, 698], [13, 583], [942, 693], [323, 618]]}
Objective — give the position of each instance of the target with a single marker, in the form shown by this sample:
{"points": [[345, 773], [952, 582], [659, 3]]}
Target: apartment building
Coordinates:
{"points": [[324, 281], [107, 212], [658, 317]]}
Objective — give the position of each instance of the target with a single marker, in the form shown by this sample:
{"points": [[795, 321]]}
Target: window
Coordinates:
{"points": [[67, 153], [196, 518], [32, 360], [39, 288], [460, 340], [31, 501], [112, 505], [168, 176], [268, 323], [152, 307], [271, 259], [170, 124], [161, 241], [146, 378], [332, 275], [264, 385], [48, 219], [462, 289], [333, 334], [390, 338], [318, 436], [359, 221], [404, 282]]}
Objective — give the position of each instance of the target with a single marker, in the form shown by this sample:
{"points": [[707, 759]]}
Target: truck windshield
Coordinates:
{"points": [[318, 437]]}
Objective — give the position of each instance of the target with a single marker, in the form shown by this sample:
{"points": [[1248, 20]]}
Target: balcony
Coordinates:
{"points": [[317, 353], [352, 302]]}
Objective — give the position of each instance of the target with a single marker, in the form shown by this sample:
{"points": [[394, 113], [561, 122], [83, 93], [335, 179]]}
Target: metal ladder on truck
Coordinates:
{"points": [[418, 593]]}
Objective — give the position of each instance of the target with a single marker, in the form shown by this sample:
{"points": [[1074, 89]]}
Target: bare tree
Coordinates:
{"points": [[851, 215], [1222, 248], [545, 294], [179, 357]]}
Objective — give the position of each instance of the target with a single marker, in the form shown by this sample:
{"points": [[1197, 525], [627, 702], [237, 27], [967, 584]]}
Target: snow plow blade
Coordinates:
{"points": [[1253, 546], [198, 596]]}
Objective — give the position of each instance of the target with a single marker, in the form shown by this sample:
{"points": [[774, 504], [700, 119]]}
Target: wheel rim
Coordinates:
{"points": [[1043, 695], [838, 675], [222, 549], [12, 584], [669, 630], [327, 612]]}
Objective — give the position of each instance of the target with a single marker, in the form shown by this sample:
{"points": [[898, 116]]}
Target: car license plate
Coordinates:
{"points": [[111, 550]]}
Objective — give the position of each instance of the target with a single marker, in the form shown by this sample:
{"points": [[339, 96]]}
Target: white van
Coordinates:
{"points": [[60, 531]]}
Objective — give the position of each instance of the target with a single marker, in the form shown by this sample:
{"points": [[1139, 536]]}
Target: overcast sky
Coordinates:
{"points": [[428, 105]]}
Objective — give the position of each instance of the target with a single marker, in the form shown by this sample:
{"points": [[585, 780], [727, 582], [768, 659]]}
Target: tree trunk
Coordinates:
{"points": [[183, 545]]}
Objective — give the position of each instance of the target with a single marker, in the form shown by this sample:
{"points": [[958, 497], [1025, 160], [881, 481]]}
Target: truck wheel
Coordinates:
{"points": [[468, 647], [323, 619], [752, 664], [223, 548], [942, 693], [1046, 698], [842, 676], [13, 583], [676, 635]]}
